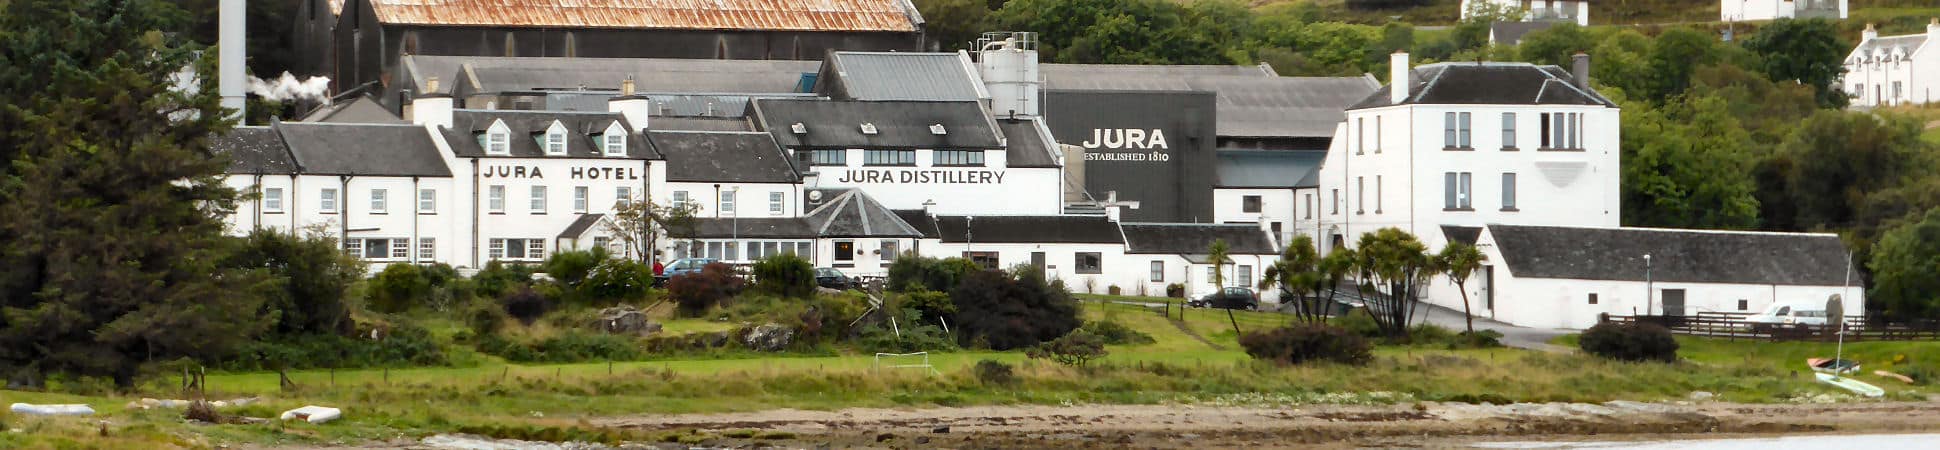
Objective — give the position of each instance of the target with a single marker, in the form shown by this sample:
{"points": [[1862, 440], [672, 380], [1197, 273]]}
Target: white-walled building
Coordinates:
{"points": [[1271, 189], [1749, 10], [1894, 70], [1564, 277], [1577, 11]]}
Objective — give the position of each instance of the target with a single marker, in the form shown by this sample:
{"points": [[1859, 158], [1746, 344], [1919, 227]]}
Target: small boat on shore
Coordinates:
{"points": [[1856, 386]]}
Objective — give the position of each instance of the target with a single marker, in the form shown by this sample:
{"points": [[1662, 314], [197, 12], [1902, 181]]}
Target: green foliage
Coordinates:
{"points": [[695, 293], [400, 287], [569, 347], [1555, 45], [954, 24], [929, 305], [1808, 51], [910, 272], [1301, 343], [1903, 265], [1398, 264], [786, 275], [1114, 333], [616, 280], [498, 278], [573, 266], [1358, 322], [994, 373], [526, 304], [1684, 166], [1674, 56], [485, 319], [907, 335], [1129, 31], [401, 345], [1629, 342], [1835, 159], [1075, 349], [1010, 311], [313, 275]]}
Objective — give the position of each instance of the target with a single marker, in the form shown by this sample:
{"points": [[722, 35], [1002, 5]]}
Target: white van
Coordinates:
{"points": [[1790, 314]]}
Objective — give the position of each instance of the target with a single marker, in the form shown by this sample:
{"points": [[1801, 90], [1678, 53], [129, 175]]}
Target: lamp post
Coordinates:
{"points": [[1649, 293]]}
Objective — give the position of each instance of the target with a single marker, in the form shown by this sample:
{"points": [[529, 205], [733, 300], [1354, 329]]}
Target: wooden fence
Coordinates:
{"points": [[1735, 326]]}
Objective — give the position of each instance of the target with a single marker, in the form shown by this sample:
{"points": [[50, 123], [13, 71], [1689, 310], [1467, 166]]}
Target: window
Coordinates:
{"points": [[889, 157], [1360, 195], [1455, 190], [1744, 304], [1464, 131], [889, 251], [727, 201], [1377, 194], [1455, 130], [428, 201], [524, 249], [1276, 229], [733, 250], [1310, 205], [824, 157], [602, 242], [1562, 130], [844, 251], [377, 201], [1508, 130], [1158, 271], [328, 201], [613, 140], [680, 199], [273, 200], [1360, 135], [622, 196], [368, 248], [1250, 203], [986, 260], [495, 199], [427, 249], [581, 199], [556, 139], [1245, 275], [401, 249], [958, 157], [1592, 299], [538, 199], [354, 247], [1212, 273], [1336, 208], [498, 139], [1896, 90], [802, 248], [776, 202], [1448, 130], [1573, 131], [1508, 191], [1090, 263], [1548, 133], [1377, 134]]}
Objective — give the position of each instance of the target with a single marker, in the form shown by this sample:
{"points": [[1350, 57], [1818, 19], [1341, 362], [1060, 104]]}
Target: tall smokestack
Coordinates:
{"points": [[230, 46]]}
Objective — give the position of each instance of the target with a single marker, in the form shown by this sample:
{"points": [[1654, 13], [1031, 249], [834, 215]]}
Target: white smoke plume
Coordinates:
{"points": [[288, 87]]}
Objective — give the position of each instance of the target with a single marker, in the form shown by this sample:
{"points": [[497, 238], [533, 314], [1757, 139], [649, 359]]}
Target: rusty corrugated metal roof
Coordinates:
{"points": [[799, 15], [336, 8]]}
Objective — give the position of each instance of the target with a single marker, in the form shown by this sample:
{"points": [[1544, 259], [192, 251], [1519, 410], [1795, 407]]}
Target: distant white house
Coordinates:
{"points": [[1748, 10], [1894, 70], [1535, 10]]}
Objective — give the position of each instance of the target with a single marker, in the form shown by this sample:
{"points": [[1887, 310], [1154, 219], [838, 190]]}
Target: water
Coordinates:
{"points": [[1847, 441]]}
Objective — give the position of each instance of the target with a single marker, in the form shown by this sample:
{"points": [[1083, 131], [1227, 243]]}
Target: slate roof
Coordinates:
{"points": [[1265, 168], [1686, 256], [1908, 44], [651, 75], [909, 76], [1029, 229], [822, 15], [847, 212], [766, 227], [363, 149], [527, 126], [361, 109], [1509, 33], [722, 157], [580, 225], [1196, 238], [921, 221], [1025, 144], [1462, 234], [1253, 101], [838, 124], [1141, 77], [254, 150], [658, 123], [1489, 83]]}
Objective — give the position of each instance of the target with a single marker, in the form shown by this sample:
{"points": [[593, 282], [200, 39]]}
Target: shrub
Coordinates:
{"points": [[398, 288], [1010, 311], [1175, 290], [1114, 333], [484, 320], [695, 293], [1478, 339], [573, 266], [1357, 322], [1629, 342], [526, 304], [785, 275], [616, 279], [1075, 349], [915, 336], [402, 345], [929, 304], [910, 272], [990, 372], [1115, 290], [315, 278], [1308, 342], [498, 278]]}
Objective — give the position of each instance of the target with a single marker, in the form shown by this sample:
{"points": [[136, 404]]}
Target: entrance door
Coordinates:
{"points": [[1673, 302], [1037, 260], [1486, 281]]}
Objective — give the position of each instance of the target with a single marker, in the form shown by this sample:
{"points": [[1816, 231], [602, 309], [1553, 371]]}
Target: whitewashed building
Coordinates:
{"points": [[1749, 10], [1564, 277], [1894, 70], [1577, 11]]}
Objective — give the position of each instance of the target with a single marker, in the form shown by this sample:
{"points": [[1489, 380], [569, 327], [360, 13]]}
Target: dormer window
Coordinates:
{"points": [[869, 129], [798, 128], [498, 139], [937, 129], [556, 139], [613, 140]]}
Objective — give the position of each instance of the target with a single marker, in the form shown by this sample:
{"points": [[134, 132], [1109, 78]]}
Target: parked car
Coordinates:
{"points": [[1788, 315], [834, 279], [1229, 298], [680, 267]]}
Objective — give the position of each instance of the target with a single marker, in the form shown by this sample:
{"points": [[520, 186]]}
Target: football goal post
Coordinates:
{"points": [[918, 360]]}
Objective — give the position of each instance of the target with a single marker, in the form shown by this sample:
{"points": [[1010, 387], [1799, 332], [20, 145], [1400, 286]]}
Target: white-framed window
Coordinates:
{"points": [[581, 199], [602, 242], [535, 249], [495, 199], [1212, 272], [623, 196], [1245, 275], [889, 157], [401, 249], [1377, 134], [378, 248], [428, 201], [823, 157], [427, 249], [1249, 204], [1360, 135], [1456, 190], [556, 139], [498, 139], [680, 199], [1508, 191], [1377, 194], [1158, 272], [1455, 130], [1360, 195], [538, 199], [378, 201], [1089, 262], [1508, 130], [776, 202], [727, 201], [957, 157], [517, 249], [354, 247], [614, 140], [327, 200], [273, 200]]}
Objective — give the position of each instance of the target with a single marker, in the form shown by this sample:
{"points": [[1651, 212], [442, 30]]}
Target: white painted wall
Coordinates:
{"points": [[603, 178], [991, 189], [1870, 75], [750, 203], [1748, 10], [1276, 206], [1535, 8], [354, 216]]}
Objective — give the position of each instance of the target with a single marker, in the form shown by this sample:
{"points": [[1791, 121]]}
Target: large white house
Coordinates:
{"points": [[1894, 70], [1749, 10], [1577, 11]]}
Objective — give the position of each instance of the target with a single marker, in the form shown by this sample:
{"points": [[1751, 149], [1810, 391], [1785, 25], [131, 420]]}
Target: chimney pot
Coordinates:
{"points": [[1398, 82], [431, 85], [626, 86], [1870, 33]]}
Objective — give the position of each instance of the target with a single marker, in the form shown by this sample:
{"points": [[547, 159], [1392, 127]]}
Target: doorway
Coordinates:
{"points": [[1673, 302], [1487, 284], [1037, 260]]}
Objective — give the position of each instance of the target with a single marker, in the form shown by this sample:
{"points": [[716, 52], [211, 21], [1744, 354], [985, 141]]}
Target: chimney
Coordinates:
{"points": [[1580, 69], [1873, 33], [433, 108], [1933, 27], [633, 106], [1398, 82], [229, 54]]}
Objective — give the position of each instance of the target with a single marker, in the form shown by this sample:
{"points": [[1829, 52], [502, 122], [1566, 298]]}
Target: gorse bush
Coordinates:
{"points": [[400, 287], [1629, 342], [994, 373], [1010, 311], [1114, 333], [1075, 349], [785, 275], [695, 293], [573, 266], [315, 275], [1308, 342], [616, 280]]}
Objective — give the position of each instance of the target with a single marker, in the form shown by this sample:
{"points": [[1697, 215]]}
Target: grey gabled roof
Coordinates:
{"points": [[582, 131], [501, 74], [723, 157], [1253, 101], [1489, 83], [254, 150], [838, 124], [1686, 256], [921, 221], [363, 149], [1196, 238], [580, 225], [1029, 229], [1026, 145], [361, 109], [847, 212], [1909, 43], [1265, 168], [910, 76], [766, 227], [658, 123], [1132, 77], [1462, 234], [1509, 33]]}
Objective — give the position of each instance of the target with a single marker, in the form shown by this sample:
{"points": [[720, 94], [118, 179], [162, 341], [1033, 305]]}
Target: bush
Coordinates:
{"points": [[573, 266], [1308, 342], [1357, 322], [695, 293], [930, 305], [398, 288], [485, 320], [315, 278], [403, 345], [570, 347], [616, 280], [1115, 333], [497, 279], [1010, 311], [1175, 290], [915, 336], [911, 272], [526, 304], [1075, 349], [993, 373], [1629, 342], [785, 275]]}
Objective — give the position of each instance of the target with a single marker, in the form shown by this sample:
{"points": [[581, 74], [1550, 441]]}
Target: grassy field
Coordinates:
{"points": [[1177, 368]]}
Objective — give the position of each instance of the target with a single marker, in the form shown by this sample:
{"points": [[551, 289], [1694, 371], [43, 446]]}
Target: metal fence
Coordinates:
{"points": [[1735, 326]]}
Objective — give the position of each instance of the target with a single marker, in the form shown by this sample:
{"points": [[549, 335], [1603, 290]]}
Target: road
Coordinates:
{"points": [[1512, 336]]}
